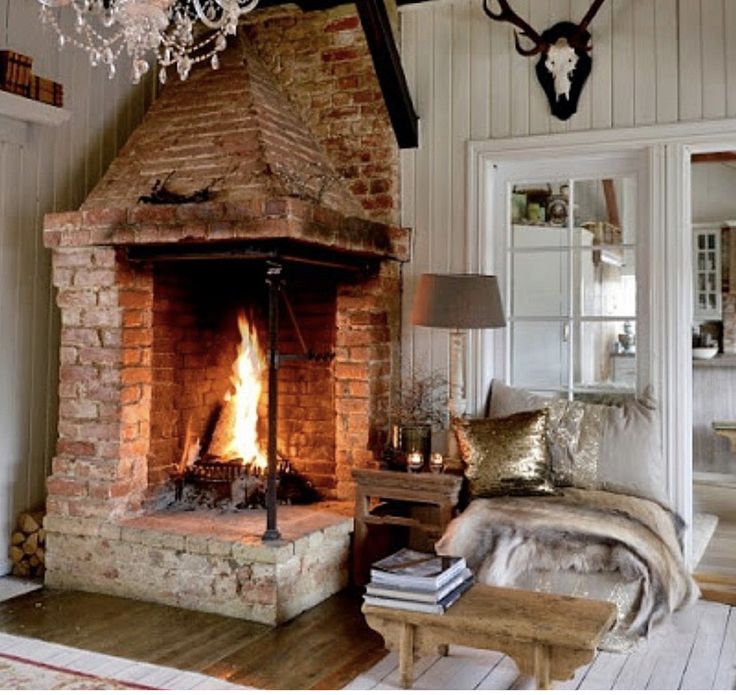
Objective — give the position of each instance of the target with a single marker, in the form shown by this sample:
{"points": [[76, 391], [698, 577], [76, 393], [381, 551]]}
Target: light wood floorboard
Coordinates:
{"points": [[719, 559], [695, 650]]}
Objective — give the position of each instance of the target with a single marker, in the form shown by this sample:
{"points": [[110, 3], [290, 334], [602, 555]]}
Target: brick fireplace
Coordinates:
{"points": [[149, 296]]}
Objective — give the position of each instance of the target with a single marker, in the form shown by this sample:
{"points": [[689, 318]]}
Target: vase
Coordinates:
{"points": [[417, 438]]}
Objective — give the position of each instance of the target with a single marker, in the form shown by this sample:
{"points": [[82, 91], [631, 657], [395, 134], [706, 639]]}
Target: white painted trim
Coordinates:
{"points": [[31, 111], [710, 225], [699, 135], [677, 317]]}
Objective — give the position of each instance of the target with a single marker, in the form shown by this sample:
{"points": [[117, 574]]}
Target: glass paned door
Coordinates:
{"points": [[571, 280]]}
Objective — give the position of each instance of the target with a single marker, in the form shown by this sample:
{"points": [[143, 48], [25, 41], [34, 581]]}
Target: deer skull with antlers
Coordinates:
{"points": [[564, 63]]}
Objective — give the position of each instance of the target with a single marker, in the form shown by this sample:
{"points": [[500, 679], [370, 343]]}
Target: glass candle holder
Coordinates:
{"points": [[415, 461], [436, 462]]}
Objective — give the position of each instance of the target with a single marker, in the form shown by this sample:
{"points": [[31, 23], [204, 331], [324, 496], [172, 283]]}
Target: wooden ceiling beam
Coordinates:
{"points": [[380, 38], [714, 157]]}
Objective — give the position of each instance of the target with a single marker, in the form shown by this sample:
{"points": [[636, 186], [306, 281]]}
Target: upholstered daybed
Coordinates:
{"points": [[604, 530]]}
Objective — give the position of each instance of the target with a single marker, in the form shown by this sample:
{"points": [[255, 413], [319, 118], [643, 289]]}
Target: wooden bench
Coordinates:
{"points": [[548, 636]]}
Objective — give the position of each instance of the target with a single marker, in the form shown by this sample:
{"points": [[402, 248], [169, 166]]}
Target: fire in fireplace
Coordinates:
{"points": [[228, 466], [233, 459], [235, 437]]}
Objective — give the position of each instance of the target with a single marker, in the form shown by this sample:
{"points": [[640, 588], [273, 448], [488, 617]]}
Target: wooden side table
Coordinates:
{"points": [[548, 636], [441, 490]]}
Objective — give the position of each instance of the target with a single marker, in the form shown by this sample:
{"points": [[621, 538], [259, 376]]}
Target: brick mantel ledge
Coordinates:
{"points": [[275, 218]]}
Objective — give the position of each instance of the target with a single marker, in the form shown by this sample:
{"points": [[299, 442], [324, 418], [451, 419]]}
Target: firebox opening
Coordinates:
{"points": [[209, 319]]}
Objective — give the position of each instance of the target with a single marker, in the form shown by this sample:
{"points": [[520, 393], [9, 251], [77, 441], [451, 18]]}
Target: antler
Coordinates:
{"points": [[508, 15], [583, 26]]}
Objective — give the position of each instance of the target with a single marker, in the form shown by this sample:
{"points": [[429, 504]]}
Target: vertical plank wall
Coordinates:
{"points": [[53, 170], [654, 62]]}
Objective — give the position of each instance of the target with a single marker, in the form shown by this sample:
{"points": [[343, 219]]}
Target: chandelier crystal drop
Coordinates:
{"points": [[175, 34]]}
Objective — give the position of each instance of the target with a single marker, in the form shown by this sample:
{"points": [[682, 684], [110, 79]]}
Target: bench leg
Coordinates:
{"points": [[406, 655], [541, 666]]}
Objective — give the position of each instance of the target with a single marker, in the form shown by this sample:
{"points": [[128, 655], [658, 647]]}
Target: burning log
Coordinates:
{"points": [[27, 549], [221, 445], [191, 450]]}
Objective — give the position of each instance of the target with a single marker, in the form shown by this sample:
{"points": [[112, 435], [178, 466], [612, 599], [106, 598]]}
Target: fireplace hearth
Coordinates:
{"points": [[150, 298]]}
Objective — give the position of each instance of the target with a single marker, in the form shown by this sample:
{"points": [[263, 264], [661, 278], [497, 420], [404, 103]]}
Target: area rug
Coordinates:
{"points": [[17, 673], [31, 664]]}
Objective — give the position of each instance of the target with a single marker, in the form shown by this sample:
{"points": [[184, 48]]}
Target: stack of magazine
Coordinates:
{"points": [[415, 581]]}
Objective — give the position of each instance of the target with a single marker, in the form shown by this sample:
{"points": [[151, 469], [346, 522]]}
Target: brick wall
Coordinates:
{"points": [[104, 384], [322, 62], [367, 370]]}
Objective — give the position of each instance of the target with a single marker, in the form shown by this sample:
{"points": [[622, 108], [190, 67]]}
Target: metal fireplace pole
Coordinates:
{"points": [[274, 282]]}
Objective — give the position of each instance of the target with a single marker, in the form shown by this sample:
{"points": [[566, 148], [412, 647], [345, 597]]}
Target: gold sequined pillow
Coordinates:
{"points": [[507, 455]]}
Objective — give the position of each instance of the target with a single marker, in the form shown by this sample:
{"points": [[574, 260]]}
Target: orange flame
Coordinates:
{"points": [[247, 386]]}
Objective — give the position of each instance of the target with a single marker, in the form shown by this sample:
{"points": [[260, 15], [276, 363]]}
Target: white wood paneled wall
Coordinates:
{"points": [[654, 62], [52, 171]]}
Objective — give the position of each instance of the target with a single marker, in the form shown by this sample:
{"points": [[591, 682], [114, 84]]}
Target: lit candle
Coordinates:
{"points": [[415, 460], [436, 462]]}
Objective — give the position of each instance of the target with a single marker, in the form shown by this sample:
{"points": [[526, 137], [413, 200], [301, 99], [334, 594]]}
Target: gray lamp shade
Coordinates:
{"points": [[458, 301]]}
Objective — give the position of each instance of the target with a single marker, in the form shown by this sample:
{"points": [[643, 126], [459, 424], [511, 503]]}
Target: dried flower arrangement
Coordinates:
{"points": [[422, 401]]}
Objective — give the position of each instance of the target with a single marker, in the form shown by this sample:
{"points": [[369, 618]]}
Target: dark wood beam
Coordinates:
{"points": [[390, 73], [714, 157]]}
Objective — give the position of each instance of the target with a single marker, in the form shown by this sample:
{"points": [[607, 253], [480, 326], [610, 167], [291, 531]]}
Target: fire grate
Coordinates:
{"points": [[217, 471], [244, 483]]}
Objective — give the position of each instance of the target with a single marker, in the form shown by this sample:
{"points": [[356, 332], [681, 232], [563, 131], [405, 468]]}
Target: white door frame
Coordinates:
{"points": [[669, 150]]}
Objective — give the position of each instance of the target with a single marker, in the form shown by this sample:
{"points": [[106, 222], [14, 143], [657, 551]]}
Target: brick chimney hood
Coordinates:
{"points": [[231, 130]]}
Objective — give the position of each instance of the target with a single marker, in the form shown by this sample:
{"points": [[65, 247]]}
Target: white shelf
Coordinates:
{"points": [[31, 111]]}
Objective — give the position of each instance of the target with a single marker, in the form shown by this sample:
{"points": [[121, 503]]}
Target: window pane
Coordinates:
{"points": [[540, 283], [606, 354], [607, 281], [527, 235], [539, 354], [607, 207], [539, 214]]}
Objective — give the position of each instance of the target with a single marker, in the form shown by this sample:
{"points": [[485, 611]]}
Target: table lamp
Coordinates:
{"points": [[457, 302]]}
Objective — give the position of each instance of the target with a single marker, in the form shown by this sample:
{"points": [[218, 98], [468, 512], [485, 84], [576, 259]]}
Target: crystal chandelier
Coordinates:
{"points": [[170, 29]]}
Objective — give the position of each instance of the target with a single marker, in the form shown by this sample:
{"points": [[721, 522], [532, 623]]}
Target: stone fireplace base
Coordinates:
{"points": [[206, 560]]}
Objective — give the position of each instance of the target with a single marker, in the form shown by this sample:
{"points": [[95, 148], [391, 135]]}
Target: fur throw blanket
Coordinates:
{"points": [[587, 531]]}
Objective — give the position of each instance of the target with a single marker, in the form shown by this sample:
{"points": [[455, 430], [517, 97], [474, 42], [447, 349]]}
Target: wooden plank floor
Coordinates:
{"points": [[716, 572], [697, 650], [720, 555], [326, 647]]}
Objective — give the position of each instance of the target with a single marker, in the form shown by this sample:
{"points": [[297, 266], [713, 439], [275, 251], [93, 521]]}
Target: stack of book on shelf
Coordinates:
{"points": [[415, 581]]}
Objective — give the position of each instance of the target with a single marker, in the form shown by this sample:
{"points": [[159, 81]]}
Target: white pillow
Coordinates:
{"points": [[508, 400], [630, 459]]}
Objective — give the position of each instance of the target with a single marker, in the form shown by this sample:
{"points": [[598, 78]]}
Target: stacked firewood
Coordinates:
{"points": [[27, 545]]}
